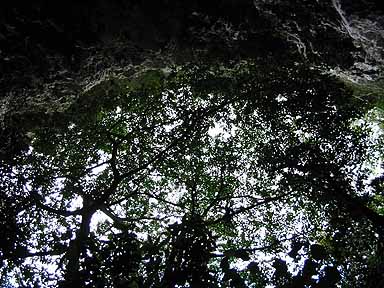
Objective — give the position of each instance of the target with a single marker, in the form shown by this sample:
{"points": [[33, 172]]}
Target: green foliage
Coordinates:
{"points": [[201, 175], [369, 91]]}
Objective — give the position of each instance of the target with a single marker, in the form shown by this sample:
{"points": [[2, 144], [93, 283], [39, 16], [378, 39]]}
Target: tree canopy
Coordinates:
{"points": [[242, 175]]}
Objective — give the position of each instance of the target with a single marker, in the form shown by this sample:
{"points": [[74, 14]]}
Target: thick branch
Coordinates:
{"points": [[76, 247], [64, 213]]}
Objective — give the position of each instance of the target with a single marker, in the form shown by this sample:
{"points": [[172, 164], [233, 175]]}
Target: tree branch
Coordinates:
{"points": [[64, 213], [107, 211], [245, 209]]}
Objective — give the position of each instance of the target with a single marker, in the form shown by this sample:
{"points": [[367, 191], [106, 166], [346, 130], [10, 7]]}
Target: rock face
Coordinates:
{"points": [[51, 51], [362, 8]]}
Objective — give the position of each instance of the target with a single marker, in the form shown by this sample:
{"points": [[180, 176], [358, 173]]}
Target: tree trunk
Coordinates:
{"points": [[72, 276]]}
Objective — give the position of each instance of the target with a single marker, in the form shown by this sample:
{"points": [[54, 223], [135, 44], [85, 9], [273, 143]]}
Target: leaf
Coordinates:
{"points": [[309, 269], [253, 268], [224, 264], [235, 278], [256, 275], [295, 247], [318, 252], [280, 266], [330, 278], [240, 253]]}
